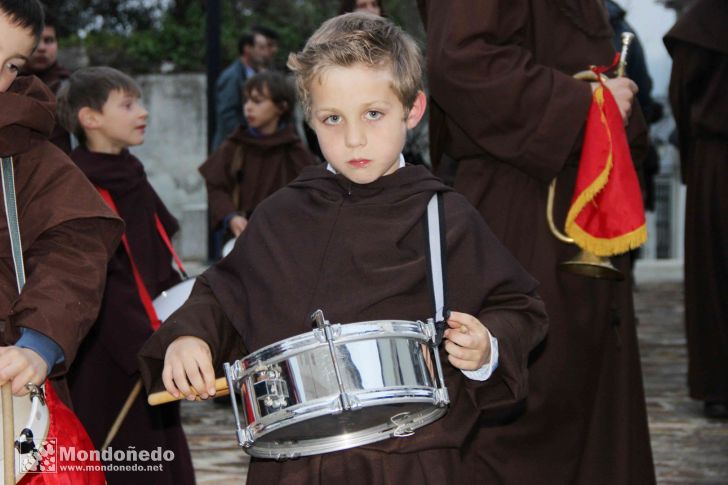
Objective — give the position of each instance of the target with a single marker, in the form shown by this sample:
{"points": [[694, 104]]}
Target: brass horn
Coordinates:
{"points": [[587, 263]]}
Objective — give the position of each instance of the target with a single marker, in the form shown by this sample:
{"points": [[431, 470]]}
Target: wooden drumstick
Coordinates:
{"points": [[162, 397], [122, 414], [8, 434]]}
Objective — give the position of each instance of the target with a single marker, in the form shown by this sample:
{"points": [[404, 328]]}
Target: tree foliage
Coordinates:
{"points": [[142, 35]]}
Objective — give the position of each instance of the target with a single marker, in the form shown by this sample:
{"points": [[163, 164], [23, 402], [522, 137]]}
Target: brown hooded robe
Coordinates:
{"points": [[507, 111], [106, 366], [54, 77], [698, 44], [68, 233], [358, 253], [247, 168]]}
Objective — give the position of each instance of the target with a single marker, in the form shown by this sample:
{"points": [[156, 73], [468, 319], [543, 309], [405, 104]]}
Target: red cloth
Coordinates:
{"points": [[68, 432], [606, 216]]}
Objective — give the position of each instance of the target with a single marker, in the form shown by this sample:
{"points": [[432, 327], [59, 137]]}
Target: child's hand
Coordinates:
{"points": [[188, 367], [237, 225], [468, 342], [21, 366]]}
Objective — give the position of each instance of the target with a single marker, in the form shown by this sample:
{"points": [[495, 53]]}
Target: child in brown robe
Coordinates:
{"points": [[257, 159], [101, 107], [348, 239], [67, 233]]}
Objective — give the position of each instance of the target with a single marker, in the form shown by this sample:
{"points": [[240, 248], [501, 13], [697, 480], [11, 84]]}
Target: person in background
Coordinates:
{"points": [[698, 44], [101, 107], [253, 51], [372, 6], [261, 156], [44, 64], [272, 39], [507, 117]]}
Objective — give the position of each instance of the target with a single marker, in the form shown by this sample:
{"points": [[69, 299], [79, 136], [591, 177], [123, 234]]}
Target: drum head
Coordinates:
{"points": [[34, 416], [170, 300]]}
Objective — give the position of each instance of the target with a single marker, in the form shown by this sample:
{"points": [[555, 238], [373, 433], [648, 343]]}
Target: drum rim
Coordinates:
{"points": [[284, 349], [340, 442]]}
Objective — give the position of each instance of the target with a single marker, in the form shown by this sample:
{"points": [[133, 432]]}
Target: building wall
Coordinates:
{"points": [[175, 145]]}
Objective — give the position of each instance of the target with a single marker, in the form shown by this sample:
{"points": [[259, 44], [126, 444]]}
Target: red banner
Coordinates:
{"points": [[606, 216]]}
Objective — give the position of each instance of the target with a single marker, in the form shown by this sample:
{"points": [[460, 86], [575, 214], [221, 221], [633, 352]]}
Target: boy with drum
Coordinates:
{"points": [[67, 234], [101, 106], [56, 236], [348, 238]]}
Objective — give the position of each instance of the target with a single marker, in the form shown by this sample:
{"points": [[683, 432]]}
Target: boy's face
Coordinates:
{"points": [[120, 124], [16, 46], [46, 53], [360, 122], [261, 112]]}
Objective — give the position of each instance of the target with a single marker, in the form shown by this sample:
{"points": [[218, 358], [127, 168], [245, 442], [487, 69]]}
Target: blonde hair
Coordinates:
{"points": [[359, 38]]}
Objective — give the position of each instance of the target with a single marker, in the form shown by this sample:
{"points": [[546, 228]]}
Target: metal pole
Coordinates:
{"points": [[212, 42], [213, 64]]}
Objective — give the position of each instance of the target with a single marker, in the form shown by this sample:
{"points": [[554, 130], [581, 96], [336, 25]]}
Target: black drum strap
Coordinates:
{"points": [[436, 247]]}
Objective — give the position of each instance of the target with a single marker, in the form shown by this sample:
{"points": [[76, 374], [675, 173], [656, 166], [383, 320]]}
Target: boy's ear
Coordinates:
{"points": [[417, 111], [88, 118]]}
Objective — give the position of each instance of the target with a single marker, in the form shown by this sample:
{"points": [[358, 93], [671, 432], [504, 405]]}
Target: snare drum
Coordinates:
{"points": [[170, 300], [31, 418], [338, 387]]}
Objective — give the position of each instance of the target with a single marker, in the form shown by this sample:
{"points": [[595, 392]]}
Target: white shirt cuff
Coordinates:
{"points": [[484, 373]]}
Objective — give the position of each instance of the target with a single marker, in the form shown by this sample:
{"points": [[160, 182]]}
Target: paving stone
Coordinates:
{"points": [[688, 448]]}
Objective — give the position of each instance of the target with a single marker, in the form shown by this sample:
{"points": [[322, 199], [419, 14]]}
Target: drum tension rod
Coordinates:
{"points": [[325, 326]]}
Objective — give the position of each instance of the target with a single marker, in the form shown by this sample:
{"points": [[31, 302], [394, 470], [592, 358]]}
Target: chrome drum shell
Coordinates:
{"points": [[338, 387]]}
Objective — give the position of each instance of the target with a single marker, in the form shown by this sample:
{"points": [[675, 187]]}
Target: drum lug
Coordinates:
{"points": [[245, 437], [36, 392], [349, 402], [428, 328], [403, 423], [442, 398]]}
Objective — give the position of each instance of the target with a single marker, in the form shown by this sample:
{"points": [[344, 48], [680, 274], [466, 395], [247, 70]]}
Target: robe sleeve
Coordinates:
{"points": [[65, 277], [514, 109], [480, 266], [201, 316], [219, 184]]}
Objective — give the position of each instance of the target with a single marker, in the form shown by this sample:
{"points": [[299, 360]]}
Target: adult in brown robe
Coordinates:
{"points": [[506, 110], [358, 253], [698, 44], [68, 233], [106, 368], [248, 167]]}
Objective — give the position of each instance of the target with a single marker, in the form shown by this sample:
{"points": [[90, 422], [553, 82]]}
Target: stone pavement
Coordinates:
{"points": [[688, 448]]}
